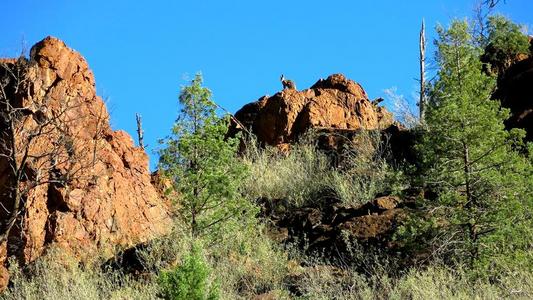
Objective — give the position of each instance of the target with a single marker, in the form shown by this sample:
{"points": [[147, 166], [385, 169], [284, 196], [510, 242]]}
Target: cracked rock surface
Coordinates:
{"points": [[111, 202]]}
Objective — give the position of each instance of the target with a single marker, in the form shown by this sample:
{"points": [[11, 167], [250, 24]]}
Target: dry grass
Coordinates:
{"points": [[58, 276], [248, 264], [244, 263], [305, 174], [432, 283], [243, 275]]}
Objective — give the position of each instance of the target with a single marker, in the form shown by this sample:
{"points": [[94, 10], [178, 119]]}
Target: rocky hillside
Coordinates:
{"points": [[87, 189], [336, 108], [108, 201]]}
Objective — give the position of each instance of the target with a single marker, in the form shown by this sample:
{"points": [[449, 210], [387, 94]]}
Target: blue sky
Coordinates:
{"points": [[142, 51]]}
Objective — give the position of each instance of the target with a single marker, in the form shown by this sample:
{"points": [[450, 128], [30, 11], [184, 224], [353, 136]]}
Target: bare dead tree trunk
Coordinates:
{"points": [[140, 132], [422, 46], [234, 119]]}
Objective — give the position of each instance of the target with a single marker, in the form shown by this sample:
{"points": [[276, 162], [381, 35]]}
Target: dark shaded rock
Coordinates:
{"points": [[515, 90], [326, 228]]}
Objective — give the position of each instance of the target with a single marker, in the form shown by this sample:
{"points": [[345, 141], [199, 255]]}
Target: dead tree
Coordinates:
{"points": [[101, 119], [40, 143], [482, 10], [422, 46], [140, 132], [377, 101]]}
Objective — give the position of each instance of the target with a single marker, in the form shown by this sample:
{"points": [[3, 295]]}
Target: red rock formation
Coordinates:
{"points": [[515, 91], [111, 201], [336, 102]]}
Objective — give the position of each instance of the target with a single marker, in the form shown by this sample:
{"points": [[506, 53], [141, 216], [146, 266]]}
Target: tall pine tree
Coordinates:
{"points": [[482, 182], [203, 167]]}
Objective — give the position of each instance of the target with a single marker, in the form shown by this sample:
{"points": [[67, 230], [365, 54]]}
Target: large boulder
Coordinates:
{"points": [[334, 103], [110, 203]]}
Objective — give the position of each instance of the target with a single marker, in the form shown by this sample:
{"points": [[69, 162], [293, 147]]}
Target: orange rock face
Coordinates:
{"points": [[110, 202], [336, 102]]}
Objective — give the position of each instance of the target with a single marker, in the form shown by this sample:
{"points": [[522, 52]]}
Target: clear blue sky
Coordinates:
{"points": [[142, 51]]}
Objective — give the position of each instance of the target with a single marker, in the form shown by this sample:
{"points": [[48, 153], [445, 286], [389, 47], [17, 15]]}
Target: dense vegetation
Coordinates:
{"points": [[471, 224], [474, 163]]}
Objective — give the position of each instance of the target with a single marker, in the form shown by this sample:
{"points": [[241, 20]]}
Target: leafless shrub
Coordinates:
{"points": [[401, 109]]}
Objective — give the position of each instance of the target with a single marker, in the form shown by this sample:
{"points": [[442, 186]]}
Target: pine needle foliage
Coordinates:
{"points": [[203, 167]]}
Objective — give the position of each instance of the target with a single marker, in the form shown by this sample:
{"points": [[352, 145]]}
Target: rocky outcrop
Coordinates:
{"points": [[326, 227], [110, 202], [515, 91], [336, 103]]}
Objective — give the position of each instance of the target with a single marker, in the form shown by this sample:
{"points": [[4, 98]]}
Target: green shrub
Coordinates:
{"points": [[190, 280]]}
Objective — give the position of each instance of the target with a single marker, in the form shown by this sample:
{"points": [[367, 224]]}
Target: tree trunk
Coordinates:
{"points": [[422, 46], [140, 132], [470, 204]]}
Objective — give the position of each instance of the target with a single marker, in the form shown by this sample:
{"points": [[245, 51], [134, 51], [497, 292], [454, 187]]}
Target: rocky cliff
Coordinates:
{"points": [[108, 202]]}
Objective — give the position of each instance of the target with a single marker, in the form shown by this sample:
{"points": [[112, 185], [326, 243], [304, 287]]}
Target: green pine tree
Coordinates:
{"points": [[481, 180], [504, 44], [203, 166]]}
